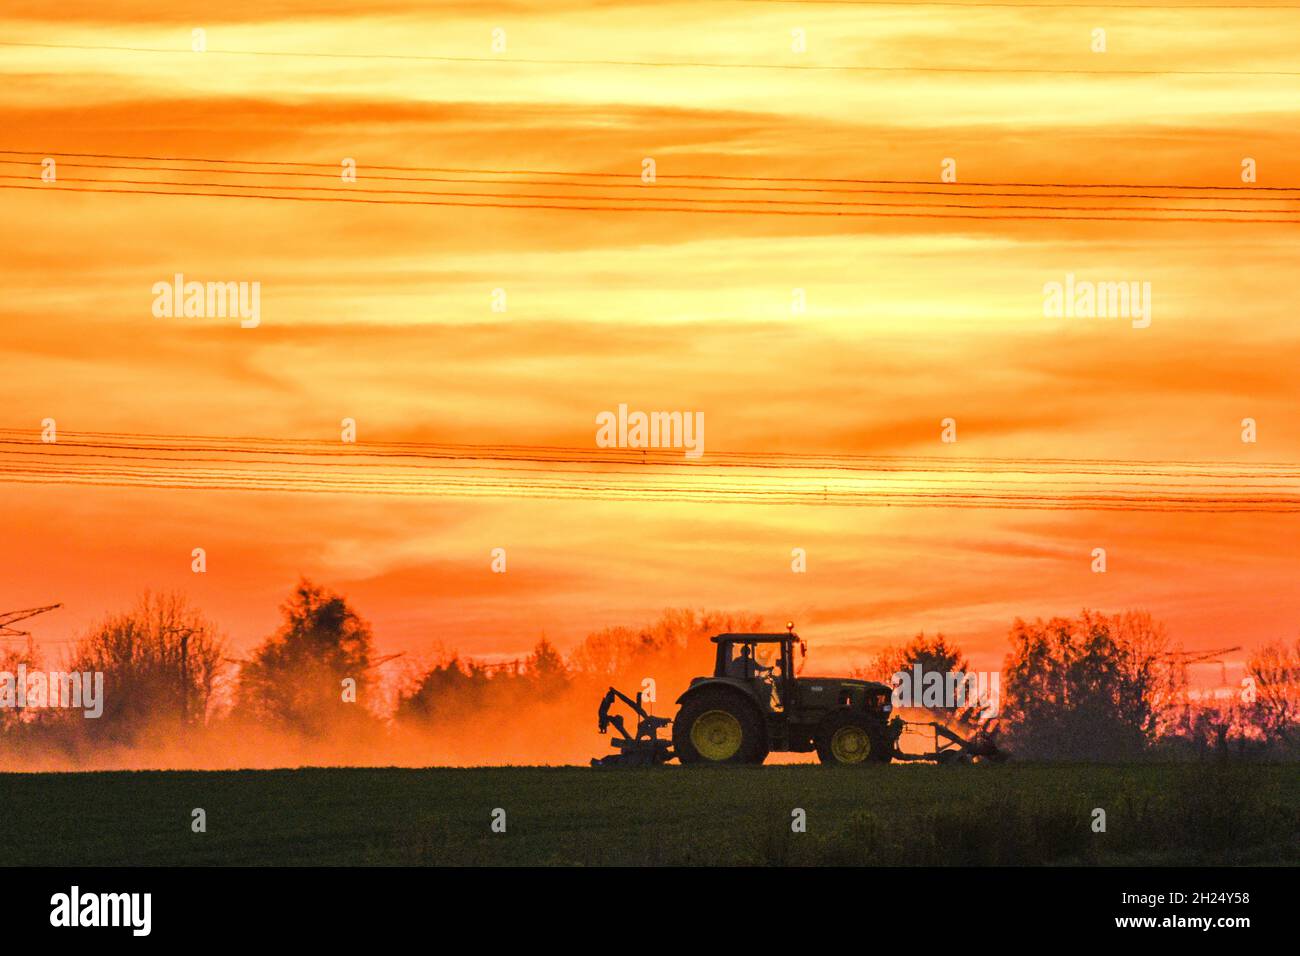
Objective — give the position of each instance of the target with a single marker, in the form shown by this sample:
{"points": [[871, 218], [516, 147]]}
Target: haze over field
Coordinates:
{"points": [[384, 315]]}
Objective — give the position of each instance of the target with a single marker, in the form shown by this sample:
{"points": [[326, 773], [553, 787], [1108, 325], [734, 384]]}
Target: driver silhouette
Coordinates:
{"points": [[744, 666]]}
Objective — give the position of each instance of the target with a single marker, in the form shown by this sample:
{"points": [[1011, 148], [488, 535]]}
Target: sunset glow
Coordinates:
{"points": [[1073, 433]]}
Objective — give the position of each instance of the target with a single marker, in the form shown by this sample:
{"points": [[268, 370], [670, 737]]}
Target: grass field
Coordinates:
{"points": [[891, 815]]}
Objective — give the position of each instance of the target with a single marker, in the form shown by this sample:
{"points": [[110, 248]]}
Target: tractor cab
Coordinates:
{"points": [[763, 662]]}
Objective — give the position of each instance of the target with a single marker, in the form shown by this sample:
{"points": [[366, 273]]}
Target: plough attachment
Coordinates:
{"points": [[644, 749], [951, 747]]}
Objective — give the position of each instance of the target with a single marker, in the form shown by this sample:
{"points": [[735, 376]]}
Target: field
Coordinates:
{"points": [[892, 815]]}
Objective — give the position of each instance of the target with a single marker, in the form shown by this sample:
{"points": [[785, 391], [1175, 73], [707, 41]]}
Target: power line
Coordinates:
{"points": [[20, 439], [693, 201], [914, 476], [646, 208], [678, 64], [640, 188], [687, 495], [137, 441], [141, 461], [663, 178]]}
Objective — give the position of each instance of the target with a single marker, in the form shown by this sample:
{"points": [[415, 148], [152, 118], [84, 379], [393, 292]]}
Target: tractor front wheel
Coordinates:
{"points": [[716, 726], [851, 739]]}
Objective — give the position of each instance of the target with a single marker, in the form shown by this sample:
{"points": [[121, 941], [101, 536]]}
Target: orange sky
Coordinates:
{"points": [[383, 314]]}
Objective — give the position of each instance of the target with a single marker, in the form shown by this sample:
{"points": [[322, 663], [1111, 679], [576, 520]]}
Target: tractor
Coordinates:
{"points": [[755, 703]]}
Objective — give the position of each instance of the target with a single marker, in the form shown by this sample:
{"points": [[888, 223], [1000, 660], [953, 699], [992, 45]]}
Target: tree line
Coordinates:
{"points": [[1093, 686]]}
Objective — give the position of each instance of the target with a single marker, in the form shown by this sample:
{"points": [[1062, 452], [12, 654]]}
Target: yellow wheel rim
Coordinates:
{"points": [[850, 745], [716, 735]]}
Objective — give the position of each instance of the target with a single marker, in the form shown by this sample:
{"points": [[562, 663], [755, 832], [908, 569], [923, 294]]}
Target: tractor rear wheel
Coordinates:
{"points": [[718, 726], [851, 739]]}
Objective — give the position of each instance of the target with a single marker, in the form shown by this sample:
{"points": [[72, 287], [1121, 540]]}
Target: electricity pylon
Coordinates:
{"points": [[13, 617]]}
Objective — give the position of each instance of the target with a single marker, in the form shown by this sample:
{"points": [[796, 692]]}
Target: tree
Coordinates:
{"points": [[11, 659], [161, 663], [546, 671], [672, 649], [1275, 710], [453, 690], [312, 673], [1090, 687], [932, 653], [897, 665]]}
